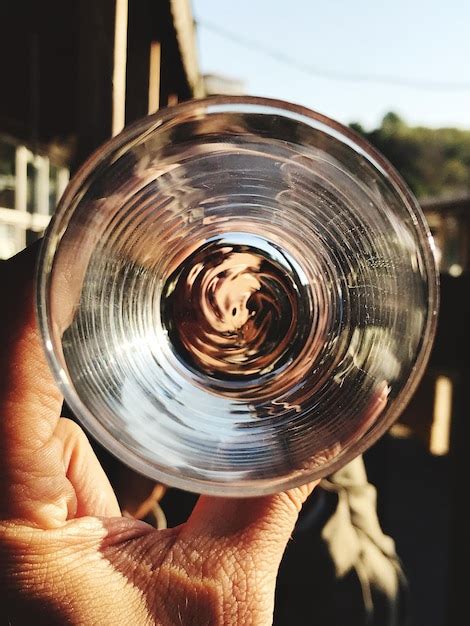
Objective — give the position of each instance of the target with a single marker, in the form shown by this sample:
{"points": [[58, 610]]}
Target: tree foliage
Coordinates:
{"points": [[434, 162]]}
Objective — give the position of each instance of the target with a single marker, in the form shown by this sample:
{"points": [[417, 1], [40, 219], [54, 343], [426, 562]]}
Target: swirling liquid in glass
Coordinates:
{"points": [[231, 309]]}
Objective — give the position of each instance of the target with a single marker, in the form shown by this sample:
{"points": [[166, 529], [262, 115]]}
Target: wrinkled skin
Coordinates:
{"points": [[67, 556]]}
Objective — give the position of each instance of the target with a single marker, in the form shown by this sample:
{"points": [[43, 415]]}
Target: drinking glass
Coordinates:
{"points": [[237, 295]]}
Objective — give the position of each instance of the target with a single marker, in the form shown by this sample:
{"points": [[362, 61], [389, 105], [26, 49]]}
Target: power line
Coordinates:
{"points": [[335, 75]]}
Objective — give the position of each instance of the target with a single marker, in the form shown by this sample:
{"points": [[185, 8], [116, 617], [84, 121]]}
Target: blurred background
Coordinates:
{"points": [[74, 73]]}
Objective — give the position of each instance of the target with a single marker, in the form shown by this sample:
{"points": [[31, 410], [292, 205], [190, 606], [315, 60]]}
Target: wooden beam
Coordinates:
{"points": [[139, 37], [101, 73], [119, 69], [154, 77]]}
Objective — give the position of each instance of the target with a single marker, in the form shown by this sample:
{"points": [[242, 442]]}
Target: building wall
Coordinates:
{"points": [[59, 98]]}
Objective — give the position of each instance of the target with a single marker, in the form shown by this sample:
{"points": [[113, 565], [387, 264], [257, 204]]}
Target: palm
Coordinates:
{"points": [[113, 571]]}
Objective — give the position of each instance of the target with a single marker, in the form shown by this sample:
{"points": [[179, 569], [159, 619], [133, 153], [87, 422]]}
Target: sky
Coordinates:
{"points": [[417, 41]]}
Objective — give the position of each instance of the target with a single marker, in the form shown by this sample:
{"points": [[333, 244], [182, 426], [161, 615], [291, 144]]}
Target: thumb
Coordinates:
{"points": [[257, 527], [250, 519], [238, 544]]}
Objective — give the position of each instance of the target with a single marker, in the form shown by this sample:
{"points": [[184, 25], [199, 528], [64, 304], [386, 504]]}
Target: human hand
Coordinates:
{"points": [[67, 556]]}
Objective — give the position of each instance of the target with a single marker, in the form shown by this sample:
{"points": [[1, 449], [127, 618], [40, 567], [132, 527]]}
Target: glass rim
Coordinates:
{"points": [[61, 217]]}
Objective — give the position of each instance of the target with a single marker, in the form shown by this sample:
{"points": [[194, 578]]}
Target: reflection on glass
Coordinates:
{"points": [[237, 295]]}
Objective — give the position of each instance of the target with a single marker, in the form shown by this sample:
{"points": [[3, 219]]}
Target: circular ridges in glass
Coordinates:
{"points": [[237, 295]]}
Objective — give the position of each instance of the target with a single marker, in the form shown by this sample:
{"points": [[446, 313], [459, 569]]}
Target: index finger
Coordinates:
{"points": [[30, 463]]}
